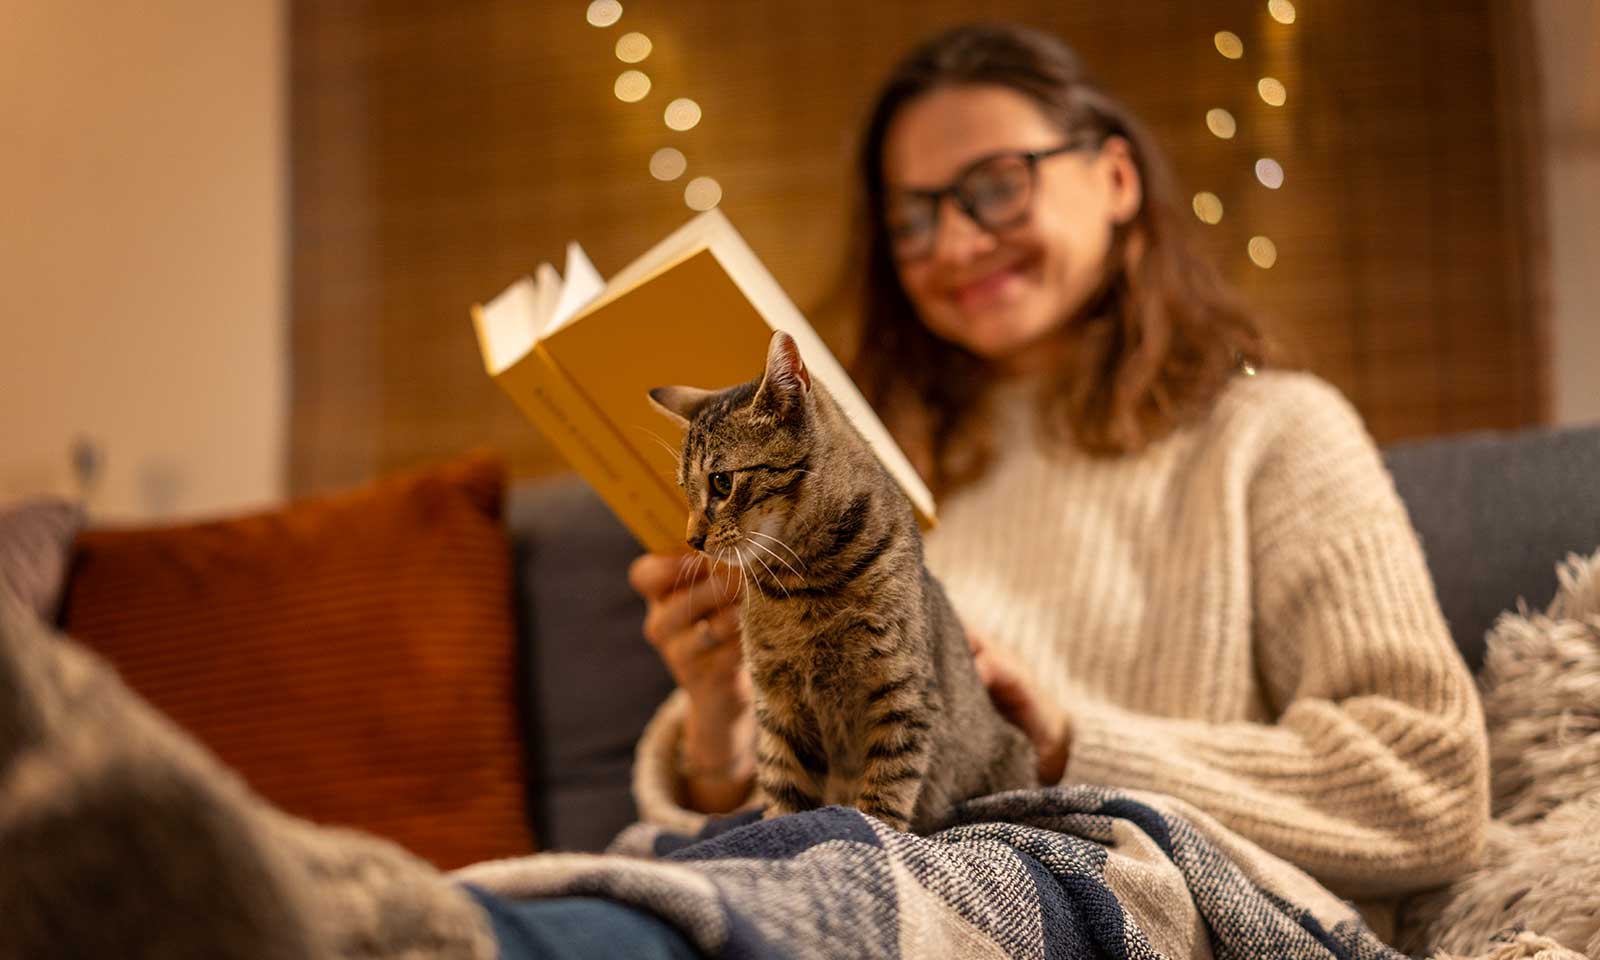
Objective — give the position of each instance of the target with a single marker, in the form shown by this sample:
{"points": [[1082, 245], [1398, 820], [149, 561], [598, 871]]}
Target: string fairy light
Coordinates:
{"points": [[632, 86], [702, 193], [633, 47], [604, 13], [668, 163], [1263, 252], [1269, 172], [1221, 123], [681, 114]]}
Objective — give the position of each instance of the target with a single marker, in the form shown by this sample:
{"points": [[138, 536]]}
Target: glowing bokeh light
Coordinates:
{"points": [[1208, 207], [1229, 44], [1281, 10], [633, 47], [682, 114], [702, 193], [1221, 123], [668, 164], [1269, 172], [1272, 91], [1263, 252], [603, 13], [632, 86]]}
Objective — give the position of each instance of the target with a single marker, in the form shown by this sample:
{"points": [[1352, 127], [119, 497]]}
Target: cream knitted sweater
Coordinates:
{"points": [[1239, 616]]}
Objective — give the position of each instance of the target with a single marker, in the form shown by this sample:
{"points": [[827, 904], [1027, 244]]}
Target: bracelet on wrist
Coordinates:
{"points": [[688, 769]]}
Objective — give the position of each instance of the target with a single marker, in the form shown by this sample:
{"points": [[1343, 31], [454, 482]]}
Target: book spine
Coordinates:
{"points": [[548, 398]]}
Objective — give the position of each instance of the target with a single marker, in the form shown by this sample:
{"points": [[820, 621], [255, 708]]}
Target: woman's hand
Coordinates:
{"points": [[692, 620], [1048, 725]]}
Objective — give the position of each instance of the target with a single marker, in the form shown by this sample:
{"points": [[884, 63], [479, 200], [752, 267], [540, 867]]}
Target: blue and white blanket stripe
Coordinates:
{"points": [[1052, 873]]}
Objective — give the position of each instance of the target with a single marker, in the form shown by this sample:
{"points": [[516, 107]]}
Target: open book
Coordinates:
{"points": [[578, 356]]}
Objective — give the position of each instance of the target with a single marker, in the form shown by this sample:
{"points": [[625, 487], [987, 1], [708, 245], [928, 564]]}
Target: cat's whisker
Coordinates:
{"points": [[693, 569], [671, 450], [721, 552], [779, 542], [776, 556], [684, 568], [769, 552], [785, 546], [764, 566], [744, 587]]}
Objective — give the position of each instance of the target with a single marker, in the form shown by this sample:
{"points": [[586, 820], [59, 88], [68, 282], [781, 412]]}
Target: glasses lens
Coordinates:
{"points": [[997, 192], [911, 221]]}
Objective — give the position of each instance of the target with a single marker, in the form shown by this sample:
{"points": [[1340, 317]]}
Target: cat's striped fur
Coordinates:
{"points": [[865, 688]]}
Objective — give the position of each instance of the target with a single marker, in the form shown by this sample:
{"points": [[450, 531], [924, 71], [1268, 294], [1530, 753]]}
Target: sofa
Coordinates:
{"points": [[509, 681]]}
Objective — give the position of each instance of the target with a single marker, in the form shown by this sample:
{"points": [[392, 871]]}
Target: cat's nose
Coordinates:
{"points": [[698, 541]]}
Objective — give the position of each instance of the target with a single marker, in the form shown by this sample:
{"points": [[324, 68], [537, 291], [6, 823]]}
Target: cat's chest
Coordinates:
{"points": [[813, 661]]}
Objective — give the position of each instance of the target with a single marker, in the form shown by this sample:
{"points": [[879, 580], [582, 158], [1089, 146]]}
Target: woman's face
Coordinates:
{"points": [[1002, 294]]}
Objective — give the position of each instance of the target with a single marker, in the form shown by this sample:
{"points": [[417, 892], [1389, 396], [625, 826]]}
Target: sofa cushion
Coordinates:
{"points": [[1492, 510], [592, 680], [35, 537], [351, 656]]}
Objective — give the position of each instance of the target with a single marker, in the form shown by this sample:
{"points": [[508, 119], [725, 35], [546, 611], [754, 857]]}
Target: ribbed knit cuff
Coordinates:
{"points": [[1105, 752], [657, 788]]}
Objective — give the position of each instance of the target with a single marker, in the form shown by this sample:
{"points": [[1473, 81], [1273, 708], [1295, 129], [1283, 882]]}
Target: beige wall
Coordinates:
{"points": [[142, 263], [1569, 58]]}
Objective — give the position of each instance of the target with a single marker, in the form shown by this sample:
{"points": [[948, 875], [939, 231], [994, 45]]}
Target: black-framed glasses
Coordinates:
{"points": [[995, 191]]}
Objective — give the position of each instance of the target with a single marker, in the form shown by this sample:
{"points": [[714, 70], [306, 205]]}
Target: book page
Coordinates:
{"points": [[580, 285], [507, 325], [677, 247], [547, 286]]}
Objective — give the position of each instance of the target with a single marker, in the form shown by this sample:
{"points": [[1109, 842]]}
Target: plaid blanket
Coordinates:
{"points": [[1059, 872]]}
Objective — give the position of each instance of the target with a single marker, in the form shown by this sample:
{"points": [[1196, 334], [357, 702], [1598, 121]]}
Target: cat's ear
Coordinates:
{"points": [[679, 403], [787, 381]]}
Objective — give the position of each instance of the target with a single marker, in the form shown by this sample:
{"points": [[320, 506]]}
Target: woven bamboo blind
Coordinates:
{"points": [[442, 148]]}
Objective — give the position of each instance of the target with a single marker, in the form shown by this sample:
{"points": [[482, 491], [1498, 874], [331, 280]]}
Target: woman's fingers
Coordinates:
{"points": [[688, 605], [706, 659], [1013, 696], [654, 575]]}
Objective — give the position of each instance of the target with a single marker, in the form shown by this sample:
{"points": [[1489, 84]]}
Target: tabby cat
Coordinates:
{"points": [[865, 688]]}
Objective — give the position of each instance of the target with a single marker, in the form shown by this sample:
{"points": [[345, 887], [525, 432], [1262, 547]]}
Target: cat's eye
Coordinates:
{"points": [[721, 484]]}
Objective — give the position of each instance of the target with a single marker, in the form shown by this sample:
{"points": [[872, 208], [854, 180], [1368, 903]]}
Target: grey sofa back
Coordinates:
{"points": [[591, 681], [1494, 512]]}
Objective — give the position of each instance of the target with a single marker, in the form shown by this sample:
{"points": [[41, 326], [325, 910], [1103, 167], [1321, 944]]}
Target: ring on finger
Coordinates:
{"points": [[708, 638]]}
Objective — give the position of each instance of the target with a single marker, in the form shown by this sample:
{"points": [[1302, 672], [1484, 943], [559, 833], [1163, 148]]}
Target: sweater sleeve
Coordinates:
{"points": [[1373, 774]]}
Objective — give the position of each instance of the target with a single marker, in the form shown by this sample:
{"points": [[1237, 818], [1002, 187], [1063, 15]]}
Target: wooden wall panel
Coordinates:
{"points": [[442, 148]]}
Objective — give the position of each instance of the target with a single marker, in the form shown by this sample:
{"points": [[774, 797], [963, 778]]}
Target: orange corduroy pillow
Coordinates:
{"points": [[352, 657]]}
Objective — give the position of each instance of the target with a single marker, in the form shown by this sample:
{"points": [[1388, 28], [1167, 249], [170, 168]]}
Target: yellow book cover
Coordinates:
{"points": [[579, 355]]}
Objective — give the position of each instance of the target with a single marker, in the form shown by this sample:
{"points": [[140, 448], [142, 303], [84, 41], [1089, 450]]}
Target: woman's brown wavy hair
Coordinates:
{"points": [[1152, 351]]}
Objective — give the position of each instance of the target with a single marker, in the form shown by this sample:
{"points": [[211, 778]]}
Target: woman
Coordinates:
{"points": [[1179, 575]]}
